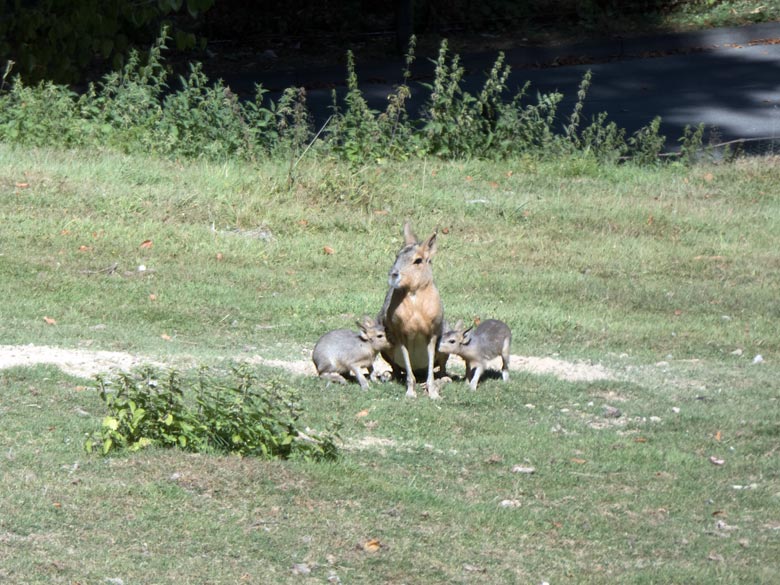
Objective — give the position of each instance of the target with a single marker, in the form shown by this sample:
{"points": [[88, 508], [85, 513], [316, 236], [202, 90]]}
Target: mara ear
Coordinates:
{"points": [[363, 332], [458, 325], [409, 236], [429, 247], [467, 336]]}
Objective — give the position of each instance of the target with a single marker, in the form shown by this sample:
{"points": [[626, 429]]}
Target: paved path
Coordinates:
{"points": [[727, 78]]}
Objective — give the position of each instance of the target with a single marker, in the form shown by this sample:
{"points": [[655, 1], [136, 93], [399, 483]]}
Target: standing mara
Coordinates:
{"points": [[413, 315]]}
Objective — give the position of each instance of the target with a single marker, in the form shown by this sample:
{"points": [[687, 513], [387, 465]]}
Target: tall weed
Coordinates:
{"points": [[135, 110]]}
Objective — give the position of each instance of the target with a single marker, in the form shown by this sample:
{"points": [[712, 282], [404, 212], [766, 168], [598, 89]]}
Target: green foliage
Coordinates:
{"points": [[61, 40], [359, 134], [241, 416], [134, 110], [604, 139], [691, 143], [647, 143], [204, 120]]}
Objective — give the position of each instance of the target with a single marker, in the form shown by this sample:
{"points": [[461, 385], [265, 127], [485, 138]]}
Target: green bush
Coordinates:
{"points": [[239, 415], [135, 110]]}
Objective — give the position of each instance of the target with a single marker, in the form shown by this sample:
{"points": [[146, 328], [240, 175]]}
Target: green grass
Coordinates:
{"points": [[625, 266]]}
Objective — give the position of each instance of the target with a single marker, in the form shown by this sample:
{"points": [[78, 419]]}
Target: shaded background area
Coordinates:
{"points": [[73, 41], [649, 57]]}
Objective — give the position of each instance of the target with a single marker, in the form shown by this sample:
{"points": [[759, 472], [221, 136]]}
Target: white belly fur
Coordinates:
{"points": [[418, 353]]}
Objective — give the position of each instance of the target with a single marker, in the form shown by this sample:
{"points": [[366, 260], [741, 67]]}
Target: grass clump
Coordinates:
{"points": [[239, 416]]}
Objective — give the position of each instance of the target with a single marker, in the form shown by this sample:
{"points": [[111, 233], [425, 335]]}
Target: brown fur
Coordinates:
{"points": [[413, 314]]}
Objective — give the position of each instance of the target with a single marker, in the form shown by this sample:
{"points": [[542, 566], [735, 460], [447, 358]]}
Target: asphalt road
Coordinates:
{"points": [[728, 79]]}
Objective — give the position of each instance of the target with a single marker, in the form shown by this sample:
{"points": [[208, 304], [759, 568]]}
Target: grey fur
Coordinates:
{"points": [[345, 351], [492, 338]]}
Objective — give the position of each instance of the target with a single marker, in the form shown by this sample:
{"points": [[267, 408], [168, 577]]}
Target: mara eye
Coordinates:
{"points": [[418, 260], [380, 335]]}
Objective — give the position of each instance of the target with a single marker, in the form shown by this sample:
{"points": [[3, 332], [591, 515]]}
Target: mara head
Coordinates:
{"points": [[373, 333], [412, 267], [453, 340]]}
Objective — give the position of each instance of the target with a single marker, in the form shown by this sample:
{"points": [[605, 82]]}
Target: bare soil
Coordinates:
{"points": [[86, 363]]}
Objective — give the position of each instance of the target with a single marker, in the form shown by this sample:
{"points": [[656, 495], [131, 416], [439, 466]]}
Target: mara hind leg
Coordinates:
{"points": [[333, 377], [505, 360]]}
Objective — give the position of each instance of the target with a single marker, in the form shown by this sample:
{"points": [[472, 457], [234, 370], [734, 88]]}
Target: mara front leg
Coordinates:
{"points": [[476, 376], [410, 380], [358, 373], [433, 392]]}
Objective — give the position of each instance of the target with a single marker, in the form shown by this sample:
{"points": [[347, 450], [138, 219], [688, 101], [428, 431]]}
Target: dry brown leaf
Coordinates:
{"points": [[166, 337], [708, 177], [578, 461], [22, 185], [328, 250], [372, 545], [152, 297], [146, 244], [362, 413], [445, 230], [640, 440], [717, 436], [220, 257], [84, 248], [50, 321], [715, 461]]}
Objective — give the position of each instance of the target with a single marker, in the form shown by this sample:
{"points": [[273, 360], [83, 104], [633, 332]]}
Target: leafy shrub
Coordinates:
{"points": [[647, 143], [359, 134], [241, 415], [136, 111]]}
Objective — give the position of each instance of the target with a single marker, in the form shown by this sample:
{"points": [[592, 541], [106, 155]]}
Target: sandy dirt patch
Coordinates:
{"points": [[86, 363], [83, 363]]}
